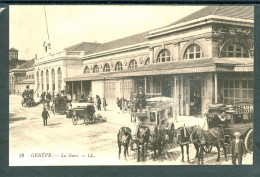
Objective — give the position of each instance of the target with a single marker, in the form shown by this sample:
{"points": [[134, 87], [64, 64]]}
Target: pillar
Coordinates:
{"points": [[123, 95], [181, 94], [216, 87], [175, 98], [56, 80], [151, 55], [81, 91]]}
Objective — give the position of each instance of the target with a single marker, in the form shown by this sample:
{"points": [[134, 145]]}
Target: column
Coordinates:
{"points": [[123, 95], [72, 89], [50, 80], [81, 87], [56, 79], [216, 87], [181, 93], [151, 55], [175, 98]]}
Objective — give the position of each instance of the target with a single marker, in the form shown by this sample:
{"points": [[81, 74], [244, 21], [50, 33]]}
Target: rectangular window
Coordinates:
{"points": [[237, 90]]}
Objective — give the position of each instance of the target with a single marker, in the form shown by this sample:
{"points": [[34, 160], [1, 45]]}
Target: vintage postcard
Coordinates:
{"points": [[131, 85]]}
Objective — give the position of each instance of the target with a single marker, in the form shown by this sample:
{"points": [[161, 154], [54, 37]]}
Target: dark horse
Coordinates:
{"points": [[123, 139], [212, 137], [183, 139], [142, 139], [158, 140]]}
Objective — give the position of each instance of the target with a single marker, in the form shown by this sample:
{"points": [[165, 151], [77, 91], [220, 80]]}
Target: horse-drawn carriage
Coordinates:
{"points": [[152, 126], [237, 118], [27, 98], [83, 110], [221, 122], [58, 104]]}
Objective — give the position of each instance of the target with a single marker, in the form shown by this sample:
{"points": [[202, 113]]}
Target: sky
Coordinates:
{"points": [[69, 25]]}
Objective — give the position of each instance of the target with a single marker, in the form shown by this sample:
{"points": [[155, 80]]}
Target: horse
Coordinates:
{"points": [[213, 137], [123, 139], [142, 139], [170, 132], [183, 139], [158, 140]]}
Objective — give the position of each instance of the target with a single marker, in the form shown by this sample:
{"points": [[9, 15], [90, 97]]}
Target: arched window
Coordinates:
{"points": [[193, 51], [147, 61], [53, 79], [96, 69], [86, 70], [119, 66], [164, 56], [234, 50], [59, 80], [132, 64], [42, 80], [106, 68], [47, 79]]}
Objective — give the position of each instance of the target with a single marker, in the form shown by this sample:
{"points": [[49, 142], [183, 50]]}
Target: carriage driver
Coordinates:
{"points": [[140, 100]]}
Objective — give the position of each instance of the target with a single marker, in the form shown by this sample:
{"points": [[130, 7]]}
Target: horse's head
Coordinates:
{"points": [[197, 135], [125, 135], [143, 133]]}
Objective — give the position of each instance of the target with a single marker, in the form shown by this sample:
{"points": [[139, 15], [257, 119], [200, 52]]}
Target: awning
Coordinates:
{"points": [[176, 67]]}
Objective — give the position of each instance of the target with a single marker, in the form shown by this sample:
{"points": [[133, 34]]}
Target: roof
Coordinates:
{"points": [[26, 65], [87, 47], [175, 67], [244, 12], [130, 40], [13, 49]]}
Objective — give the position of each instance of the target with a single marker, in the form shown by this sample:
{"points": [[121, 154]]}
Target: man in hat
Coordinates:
{"points": [[140, 100], [45, 116], [237, 149]]}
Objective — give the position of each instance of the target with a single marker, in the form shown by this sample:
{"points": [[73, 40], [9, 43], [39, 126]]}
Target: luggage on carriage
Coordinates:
{"points": [[232, 118]]}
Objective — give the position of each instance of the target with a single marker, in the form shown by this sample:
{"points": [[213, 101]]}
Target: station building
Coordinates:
{"points": [[208, 55], [51, 70]]}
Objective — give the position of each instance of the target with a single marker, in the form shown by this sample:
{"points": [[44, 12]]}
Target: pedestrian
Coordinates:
{"points": [[48, 98], [118, 102], [104, 103], [237, 149], [45, 116], [98, 103]]}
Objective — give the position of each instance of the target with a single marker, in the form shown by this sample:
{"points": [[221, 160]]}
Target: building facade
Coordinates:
{"points": [[51, 70], [206, 57], [20, 77]]}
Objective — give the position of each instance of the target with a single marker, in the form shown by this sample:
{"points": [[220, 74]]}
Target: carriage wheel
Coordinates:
{"points": [[249, 141], [207, 148], [74, 120]]}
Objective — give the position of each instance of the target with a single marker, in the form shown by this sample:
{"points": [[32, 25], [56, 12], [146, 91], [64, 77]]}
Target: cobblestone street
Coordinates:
{"points": [[93, 144]]}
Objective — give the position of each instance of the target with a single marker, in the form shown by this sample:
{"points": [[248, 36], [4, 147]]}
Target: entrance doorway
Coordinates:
{"points": [[195, 97]]}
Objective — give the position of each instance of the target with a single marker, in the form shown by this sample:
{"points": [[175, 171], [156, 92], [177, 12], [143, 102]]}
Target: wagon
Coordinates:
{"points": [[237, 118], [83, 111], [27, 98], [158, 112], [60, 104]]}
